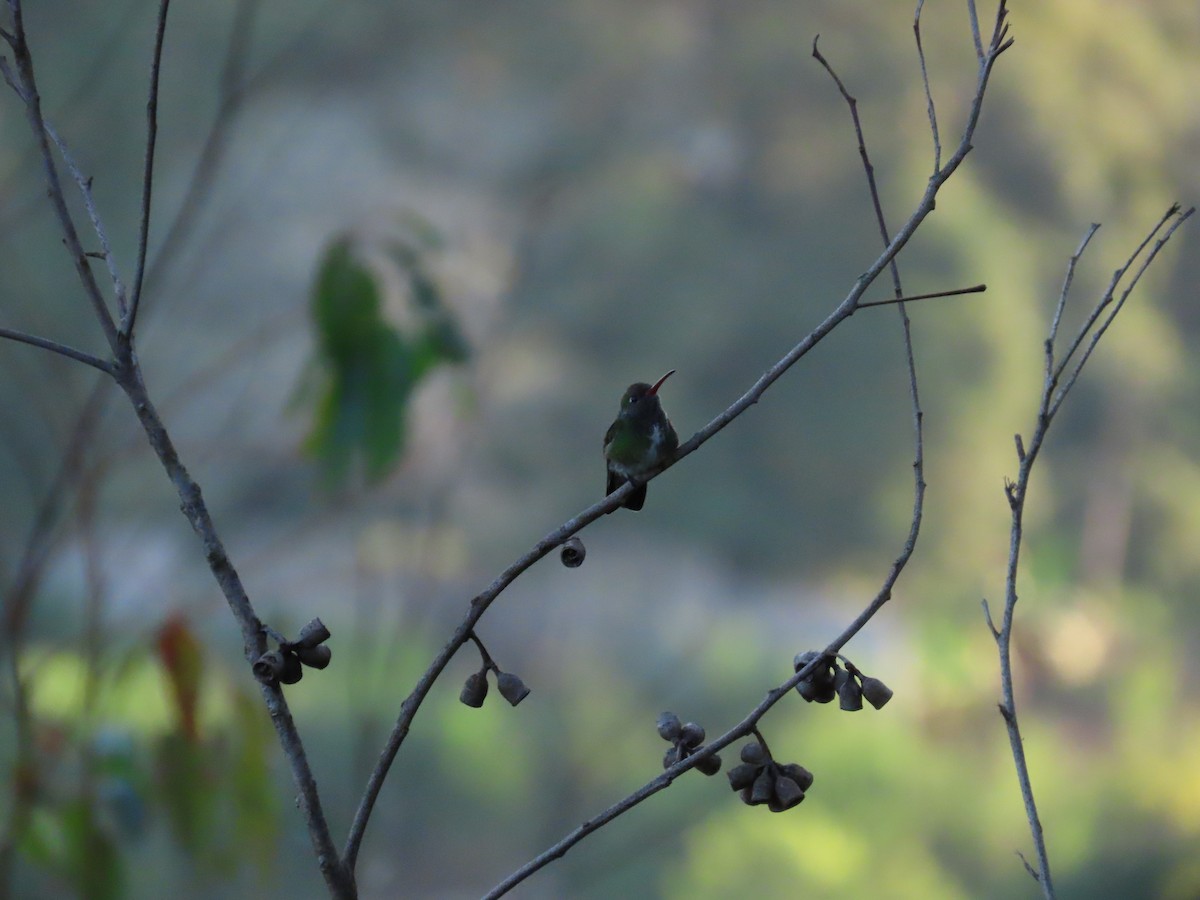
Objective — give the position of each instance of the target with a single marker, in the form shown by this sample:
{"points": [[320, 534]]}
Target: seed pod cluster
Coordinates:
{"points": [[285, 665], [685, 739], [849, 685], [760, 780], [475, 688]]}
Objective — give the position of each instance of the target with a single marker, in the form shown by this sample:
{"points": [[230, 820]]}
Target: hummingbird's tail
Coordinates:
{"points": [[637, 497]]}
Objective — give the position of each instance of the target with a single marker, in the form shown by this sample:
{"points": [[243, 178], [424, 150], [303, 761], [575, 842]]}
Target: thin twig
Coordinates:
{"points": [[1180, 218], [61, 349], [85, 189], [933, 126], [231, 93], [1062, 296], [130, 320], [1050, 403], [975, 35], [957, 292], [26, 88]]}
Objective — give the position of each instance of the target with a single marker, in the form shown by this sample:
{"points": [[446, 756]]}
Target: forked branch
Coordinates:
{"points": [[1054, 392]]}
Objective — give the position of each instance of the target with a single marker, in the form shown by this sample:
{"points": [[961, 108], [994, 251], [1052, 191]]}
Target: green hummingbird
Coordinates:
{"points": [[639, 441]]}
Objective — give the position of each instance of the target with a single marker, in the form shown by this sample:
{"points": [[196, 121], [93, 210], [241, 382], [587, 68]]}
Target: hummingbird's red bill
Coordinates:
{"points": [[654, 388]]}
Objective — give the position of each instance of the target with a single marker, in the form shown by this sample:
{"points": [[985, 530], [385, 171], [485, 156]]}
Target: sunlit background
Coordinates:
{"points": [[600, 192]]}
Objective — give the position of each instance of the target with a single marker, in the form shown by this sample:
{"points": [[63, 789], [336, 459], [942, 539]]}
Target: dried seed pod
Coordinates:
{"points": [[787, 793], [474, 690], [820, 685], [808, 690], [763, 788], [312, 634], [754, 753], [826, 677], [669, 726], [876, 692], [268, 667], [709, 765], [573, 552], [292, 670], [691, 735], [317, 657], [798, 774], [821, 693], [511, 687], [741, 777], [850, 695], [803, 659]]}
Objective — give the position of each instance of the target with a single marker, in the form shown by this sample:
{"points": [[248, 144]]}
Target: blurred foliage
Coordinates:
{"points": [[156, 767], [372, 366], [614, 189]]}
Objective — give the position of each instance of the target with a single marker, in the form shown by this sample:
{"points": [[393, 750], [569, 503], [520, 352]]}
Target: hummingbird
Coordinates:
{"points": [[639, 441]]}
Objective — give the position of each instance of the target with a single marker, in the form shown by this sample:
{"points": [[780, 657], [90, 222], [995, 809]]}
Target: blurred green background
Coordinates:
{"points": [[598, 192]]}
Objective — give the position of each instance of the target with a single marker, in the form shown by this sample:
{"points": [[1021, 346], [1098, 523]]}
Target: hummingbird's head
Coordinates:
{"points": [[641, 397]]}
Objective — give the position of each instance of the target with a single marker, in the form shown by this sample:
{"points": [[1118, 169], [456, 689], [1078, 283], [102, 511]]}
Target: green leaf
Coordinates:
{"points": [[188, 790], [346, 305], [91, 855], [256, 805], [371, 367]]}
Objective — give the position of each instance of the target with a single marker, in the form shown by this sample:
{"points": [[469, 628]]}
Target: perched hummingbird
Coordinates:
{"points": [[639, 441]]}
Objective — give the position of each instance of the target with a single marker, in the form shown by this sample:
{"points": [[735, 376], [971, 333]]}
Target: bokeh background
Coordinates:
{"points": [[599, 192]]}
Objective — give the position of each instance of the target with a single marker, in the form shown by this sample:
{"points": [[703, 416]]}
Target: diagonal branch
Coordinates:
{"points": [[25, 84], [749, 725], [840, 313], [338, 879]]}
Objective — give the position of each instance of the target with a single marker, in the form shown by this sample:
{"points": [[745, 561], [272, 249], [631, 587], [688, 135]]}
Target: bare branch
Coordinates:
{"points": [[1062, 297], [25, 85], [231, 93], [337, 877], [749, 724], [85, 189], [130, 320], [61, 349], [1180, 218], [975, 36], [987, 614], [933, 126], [1050, 402], [741, 729], [844, 310]]}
